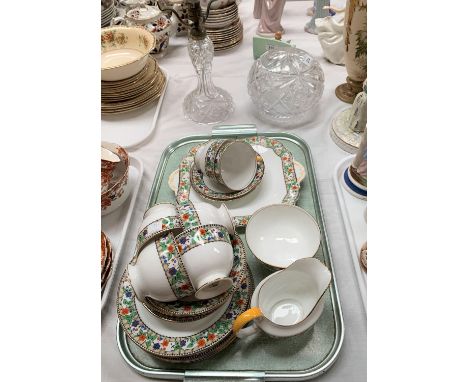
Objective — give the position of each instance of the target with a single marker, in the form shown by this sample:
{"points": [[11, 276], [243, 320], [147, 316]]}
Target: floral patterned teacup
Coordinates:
{"points": [[208, 257], [196, 262], [287, 302], [231, 163]]}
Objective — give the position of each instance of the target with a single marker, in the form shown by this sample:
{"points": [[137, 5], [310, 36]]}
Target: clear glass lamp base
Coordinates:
{"points": [[203, 109]]}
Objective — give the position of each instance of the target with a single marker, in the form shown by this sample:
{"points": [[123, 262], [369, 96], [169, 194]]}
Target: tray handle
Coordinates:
{"points": [[238, 131], [225, 376]]}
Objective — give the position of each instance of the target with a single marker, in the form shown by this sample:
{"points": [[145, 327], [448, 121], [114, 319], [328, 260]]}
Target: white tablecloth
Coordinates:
{"points": [[230, 71]]}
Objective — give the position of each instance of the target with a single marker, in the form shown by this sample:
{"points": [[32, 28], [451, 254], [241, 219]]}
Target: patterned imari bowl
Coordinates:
{"points": [[205, 191], [191, 310], [116, 191], [181, 341], [195, 262], [124, 51]]}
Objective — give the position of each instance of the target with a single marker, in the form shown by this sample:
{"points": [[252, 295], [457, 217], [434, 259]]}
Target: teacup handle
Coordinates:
{"points": [[243, 320]]}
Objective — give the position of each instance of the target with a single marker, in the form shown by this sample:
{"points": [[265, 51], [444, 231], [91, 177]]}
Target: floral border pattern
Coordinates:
{"points": [[287, 159], [212, 157], [201, 235], [188, 215], [289, 174], [179, 310], [183, 191], [174, 267], [157, 228], [111, 38], [175, 347]]}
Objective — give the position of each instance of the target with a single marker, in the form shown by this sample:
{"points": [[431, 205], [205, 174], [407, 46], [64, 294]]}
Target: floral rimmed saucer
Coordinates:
{"points": [[184, 311], [180, 341], [280, 183], [198, 184]]}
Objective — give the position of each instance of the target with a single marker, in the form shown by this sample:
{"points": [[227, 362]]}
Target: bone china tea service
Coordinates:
{"points": [[188, 291]]}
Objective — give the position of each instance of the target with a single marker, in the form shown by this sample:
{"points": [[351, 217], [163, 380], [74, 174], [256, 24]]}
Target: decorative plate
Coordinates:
{"points": [[184, 311], [208, 191], [181, 341], [279, 184]]}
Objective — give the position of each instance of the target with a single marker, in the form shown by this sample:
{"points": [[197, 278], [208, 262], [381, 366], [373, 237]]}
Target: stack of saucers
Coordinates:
{"points": [[108, 11], [187, 283], [134, 92], [106, 260], [223, 25]]}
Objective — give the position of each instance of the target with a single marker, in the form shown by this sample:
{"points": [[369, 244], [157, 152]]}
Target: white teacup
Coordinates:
{"points": [[208, 258], [287, 302], [229, 162], [195, 262], [193, 215]]}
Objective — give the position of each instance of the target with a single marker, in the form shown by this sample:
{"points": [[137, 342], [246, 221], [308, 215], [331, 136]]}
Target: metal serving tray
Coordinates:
{"points": [[258, 357]]}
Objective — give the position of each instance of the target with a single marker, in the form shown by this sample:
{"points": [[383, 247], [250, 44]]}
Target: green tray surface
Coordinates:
{"points": [[260, 352]]}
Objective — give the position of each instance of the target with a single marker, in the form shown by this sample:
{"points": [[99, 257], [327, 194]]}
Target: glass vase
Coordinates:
{"points": [[207, 103]]}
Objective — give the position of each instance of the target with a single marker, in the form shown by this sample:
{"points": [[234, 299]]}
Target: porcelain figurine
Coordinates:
{"points": [[348, 126], [358, 116], [355, 176], [317, 11], [330, 35], [363, 257], [269, 12], [355, 41], [359, 165]]}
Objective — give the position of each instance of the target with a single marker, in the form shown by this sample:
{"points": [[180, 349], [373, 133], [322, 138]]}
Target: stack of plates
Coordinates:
{"points": [[108, 12], [106, 260], [187, 331], [224, 27], [134, 92]]}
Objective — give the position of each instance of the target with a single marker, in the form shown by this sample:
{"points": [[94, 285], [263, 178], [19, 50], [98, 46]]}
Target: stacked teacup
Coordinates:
{"points": [[183, 251], [230, 163]]}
